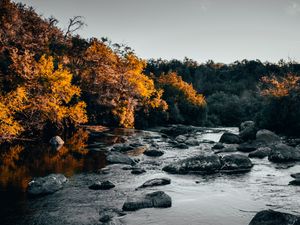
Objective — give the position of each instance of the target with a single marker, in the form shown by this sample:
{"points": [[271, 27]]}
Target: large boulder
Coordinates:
{"points": [[270, 217], [46, 185], [204, 163], [267, 137], [230, 138], [284, 153], [119, 158], [156, 182], [248, 131], [260, 153], [157, 199], [235, 163]]}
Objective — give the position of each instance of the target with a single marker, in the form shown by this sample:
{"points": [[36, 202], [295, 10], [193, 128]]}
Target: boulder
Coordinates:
{"points": [[270, 217], [246, 124], [156, 182], [119, 158], [157, 199], [267, 136], [153, 153], [236, 163], [230, 138], [260, 153], [104, 185], [284, 153], [56, 141], [204, 163], [249, 133], [246, 147], [46, 185]]}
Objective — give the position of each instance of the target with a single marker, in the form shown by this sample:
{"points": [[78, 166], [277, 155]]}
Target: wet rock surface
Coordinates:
{"points": [[119, 158], [230, 138], [261, 152], [284, 153], [270, 217], [204, 163], [46, 185], [235, 163], [156, 182], [157, 199]]}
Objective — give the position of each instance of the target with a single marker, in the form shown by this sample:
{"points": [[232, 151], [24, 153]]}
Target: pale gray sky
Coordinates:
{"points": [[222, 30]]}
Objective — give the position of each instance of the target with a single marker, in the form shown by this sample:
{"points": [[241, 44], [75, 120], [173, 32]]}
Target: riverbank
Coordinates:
{"points": [[219, 198]]}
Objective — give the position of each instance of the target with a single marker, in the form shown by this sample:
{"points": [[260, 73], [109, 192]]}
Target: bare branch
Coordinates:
{"points": [[75, 24]]}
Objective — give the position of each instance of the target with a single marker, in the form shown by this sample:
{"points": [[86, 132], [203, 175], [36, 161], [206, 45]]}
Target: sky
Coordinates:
{"points": [[220, 30]]}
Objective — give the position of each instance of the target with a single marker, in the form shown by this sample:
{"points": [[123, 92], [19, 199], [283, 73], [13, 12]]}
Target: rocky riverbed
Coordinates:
{"points": [[175, 175]]}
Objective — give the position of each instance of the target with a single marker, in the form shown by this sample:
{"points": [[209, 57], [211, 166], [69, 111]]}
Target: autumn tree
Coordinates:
{"points": [[114, 79], [281, 108], [186, 105]]}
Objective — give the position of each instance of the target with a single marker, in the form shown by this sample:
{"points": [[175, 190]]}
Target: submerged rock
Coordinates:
{"points": [[236, 163], [153, 153], [156, 182], [157, 199], [108, 214], [181, 146], [46, 185], [284, 153], [204, 163], [267, 136], [270, 217], [119, 158], [138, 171], [230, 138], [104, 185], [261, 152]]}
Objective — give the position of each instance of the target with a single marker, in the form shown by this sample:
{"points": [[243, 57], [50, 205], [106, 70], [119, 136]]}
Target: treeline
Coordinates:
{"points": [[51, 79], [244, 90]]}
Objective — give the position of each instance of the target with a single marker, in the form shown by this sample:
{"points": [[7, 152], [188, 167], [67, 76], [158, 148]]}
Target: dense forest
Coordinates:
{"points": [[52, 79]]}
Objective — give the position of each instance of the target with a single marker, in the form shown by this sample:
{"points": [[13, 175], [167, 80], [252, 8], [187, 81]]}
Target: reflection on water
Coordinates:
{"points": [[19, 164]]}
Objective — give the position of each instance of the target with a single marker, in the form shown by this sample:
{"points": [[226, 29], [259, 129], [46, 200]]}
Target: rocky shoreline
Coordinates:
{"points": [[158, 157]]}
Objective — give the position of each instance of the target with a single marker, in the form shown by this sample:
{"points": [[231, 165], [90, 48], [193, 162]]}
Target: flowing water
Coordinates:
{"points": [[218, 199]]}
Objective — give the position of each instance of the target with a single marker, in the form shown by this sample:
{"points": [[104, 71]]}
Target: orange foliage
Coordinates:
{"points": [[280, 86], [188, 91]]}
